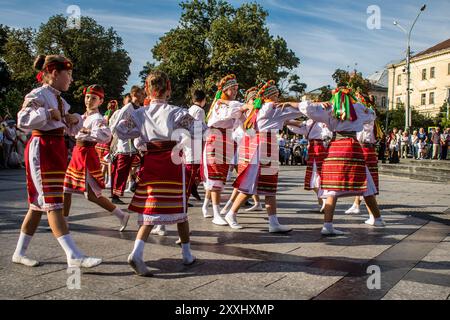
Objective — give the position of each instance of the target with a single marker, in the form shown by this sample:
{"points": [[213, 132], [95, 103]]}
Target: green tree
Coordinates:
{"points": [[293, 85], [214, 39], [97, 54], [396, 118], [442, 119], [19, 53], [325, 94], [11, 103], [146, 70], [353, 80]]}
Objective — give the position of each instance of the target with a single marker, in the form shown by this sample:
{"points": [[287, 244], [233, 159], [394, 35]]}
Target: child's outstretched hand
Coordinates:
{"points": [[71, 119]]}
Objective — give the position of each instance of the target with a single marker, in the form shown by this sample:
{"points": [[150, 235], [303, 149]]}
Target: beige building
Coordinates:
{"points": [[430, 80], [379, 89]]}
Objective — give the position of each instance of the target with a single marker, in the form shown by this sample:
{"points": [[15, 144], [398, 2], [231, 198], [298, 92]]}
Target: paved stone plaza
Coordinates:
{"points": [[413, 251]]}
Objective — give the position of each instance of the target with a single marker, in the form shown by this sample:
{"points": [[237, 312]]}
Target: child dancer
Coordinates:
{"points": [[84, 174], [193, 153], [344, 171], [315, 133], [125, 152], [103, 148], [239, 135], [160, 198], [219, 147], [259, 168], [46, 113], [368, 138]]}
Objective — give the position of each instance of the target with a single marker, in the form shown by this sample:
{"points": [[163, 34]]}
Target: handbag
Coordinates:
{"points": [[14, 159]]}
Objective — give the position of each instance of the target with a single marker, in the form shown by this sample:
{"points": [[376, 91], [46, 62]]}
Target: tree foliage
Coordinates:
{"points": [[97, 54], [214, 39]]}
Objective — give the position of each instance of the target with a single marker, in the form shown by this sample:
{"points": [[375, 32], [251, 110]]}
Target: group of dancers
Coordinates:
{"points": [[178, 147]]}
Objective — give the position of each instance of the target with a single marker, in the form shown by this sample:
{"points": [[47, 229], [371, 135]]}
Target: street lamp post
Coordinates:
{"points": [[408, 67]]}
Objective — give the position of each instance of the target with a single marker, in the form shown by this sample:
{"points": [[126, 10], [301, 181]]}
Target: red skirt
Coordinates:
{"points": [[371, 158], [136, 161], [219, 149], [102, 150], [46, 163], [84, 160], [344, 168], [258, 173], [161, 190], [316, 154]]}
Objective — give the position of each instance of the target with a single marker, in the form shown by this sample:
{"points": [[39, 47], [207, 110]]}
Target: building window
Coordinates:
{"points": [[432, 71], [423, 99], [424, 74], [399, 80], [449, 68], [399, 101], [383, 102], [431, 97]]}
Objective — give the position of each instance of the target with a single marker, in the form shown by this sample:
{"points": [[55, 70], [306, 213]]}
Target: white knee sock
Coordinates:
{"points": [[70, 248], [273, 220], [206, 203], [138, 250], [22, 244], [118, 213], [216, 210], [228, 205], [186, 250]]}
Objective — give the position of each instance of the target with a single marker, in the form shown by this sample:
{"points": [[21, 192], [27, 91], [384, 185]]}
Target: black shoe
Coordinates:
{"points": [[190, 205], [133, 186], [116, 200], [195, 194]]}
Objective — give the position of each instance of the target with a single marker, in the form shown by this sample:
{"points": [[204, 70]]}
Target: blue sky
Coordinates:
{"points": [[325, 34]]}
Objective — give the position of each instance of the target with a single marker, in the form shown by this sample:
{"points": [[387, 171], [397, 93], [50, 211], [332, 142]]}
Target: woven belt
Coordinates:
{"points": [[50, 133], [160, 146], [344, 135], [81, 143]]}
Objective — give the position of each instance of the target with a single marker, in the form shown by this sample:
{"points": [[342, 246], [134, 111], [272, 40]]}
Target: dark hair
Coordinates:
{"points": [[135, 89], [198, 96], [57, 62]]}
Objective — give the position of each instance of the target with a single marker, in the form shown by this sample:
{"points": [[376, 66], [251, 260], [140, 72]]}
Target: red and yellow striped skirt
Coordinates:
{"points": [[371, 158], [46, 163], [258, 165], [102, 150], [161, 190], [316, 154], [84, 160], [219, 149], [344, 168]]}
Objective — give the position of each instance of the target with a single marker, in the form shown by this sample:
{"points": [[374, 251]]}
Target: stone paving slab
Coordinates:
{"points": [[413, 250]]}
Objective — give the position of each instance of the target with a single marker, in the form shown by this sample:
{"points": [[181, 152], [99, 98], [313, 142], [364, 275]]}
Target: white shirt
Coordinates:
{"points": [[273, 118], [367, 135], [197, 113], [317, 112], [35, 113], [193, 148], [99, 131], [158, 122], [224, 116], [312, 130], [124, 146]]}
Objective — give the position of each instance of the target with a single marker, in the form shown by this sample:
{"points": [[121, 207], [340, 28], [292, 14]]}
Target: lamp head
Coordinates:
{"points": [[423, 7]]}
